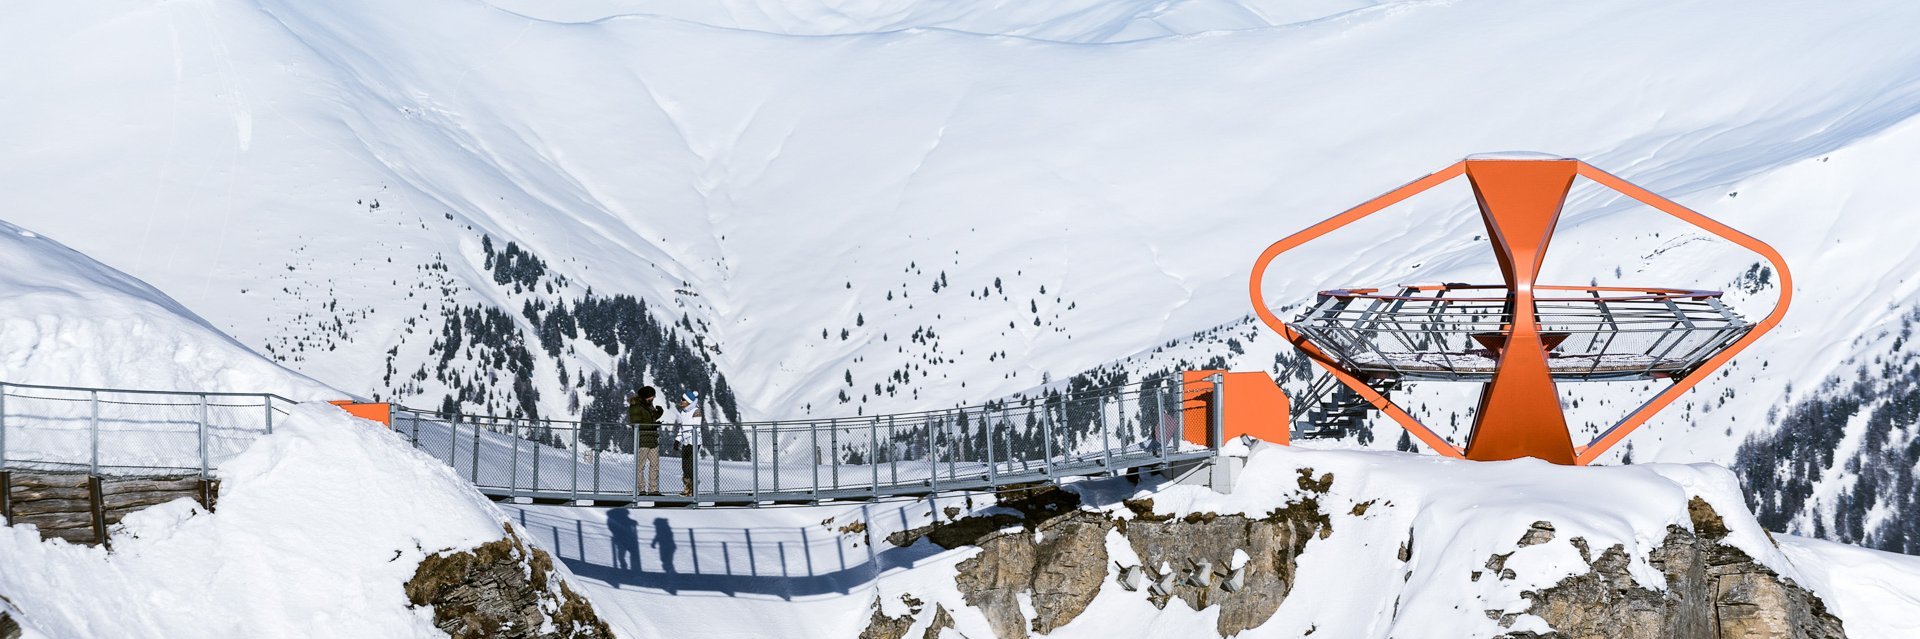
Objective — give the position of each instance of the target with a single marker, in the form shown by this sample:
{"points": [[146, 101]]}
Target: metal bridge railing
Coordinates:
{"points": [[107, 431], [1103, 431], [1113, 430]]}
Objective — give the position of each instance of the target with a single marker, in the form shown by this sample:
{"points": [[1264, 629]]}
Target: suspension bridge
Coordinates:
{"points": [[179, 436]]}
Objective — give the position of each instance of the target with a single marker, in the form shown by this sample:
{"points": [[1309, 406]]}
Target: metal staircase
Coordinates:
{"points": [[1330, 410]]}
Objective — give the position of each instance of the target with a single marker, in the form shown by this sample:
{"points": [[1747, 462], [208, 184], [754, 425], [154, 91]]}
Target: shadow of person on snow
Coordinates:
{"points": [[626, 539], [782, 561]]}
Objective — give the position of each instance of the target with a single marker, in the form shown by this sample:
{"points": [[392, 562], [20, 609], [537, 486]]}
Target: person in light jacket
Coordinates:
{"points": [[687, 436]]}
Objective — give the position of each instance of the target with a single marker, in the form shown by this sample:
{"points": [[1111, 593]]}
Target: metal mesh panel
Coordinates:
{"points": [[125, 432], [978, 447]]}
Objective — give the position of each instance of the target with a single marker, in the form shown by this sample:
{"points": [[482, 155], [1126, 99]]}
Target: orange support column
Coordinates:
{"points": [[1520, 412]]}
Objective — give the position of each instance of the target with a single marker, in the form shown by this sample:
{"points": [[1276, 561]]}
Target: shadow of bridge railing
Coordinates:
{"points": [[631, 548]]}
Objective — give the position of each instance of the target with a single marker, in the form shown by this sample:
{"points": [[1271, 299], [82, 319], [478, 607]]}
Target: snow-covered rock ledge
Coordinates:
{"points": [[1370, 544], [320, 529]]}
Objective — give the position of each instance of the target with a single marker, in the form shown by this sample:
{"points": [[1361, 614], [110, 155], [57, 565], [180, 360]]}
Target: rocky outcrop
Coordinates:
{"points": [[1043, 558], [882, 626], [1046, 548], [1054, 553], [503, 588], [1714, 591], [1199, 552]]}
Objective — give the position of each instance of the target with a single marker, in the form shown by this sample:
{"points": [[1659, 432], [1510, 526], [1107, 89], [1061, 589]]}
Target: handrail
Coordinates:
{"points": [[1019, 401], [1649, 294], [152, 437], [138, 391]]}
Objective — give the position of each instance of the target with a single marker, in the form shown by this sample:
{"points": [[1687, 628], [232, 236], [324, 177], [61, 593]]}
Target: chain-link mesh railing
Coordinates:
{"points": [[1090, 432], [128, 432]]}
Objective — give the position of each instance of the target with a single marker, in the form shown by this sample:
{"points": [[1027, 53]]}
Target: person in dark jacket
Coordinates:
{"points": [[645, 418]]}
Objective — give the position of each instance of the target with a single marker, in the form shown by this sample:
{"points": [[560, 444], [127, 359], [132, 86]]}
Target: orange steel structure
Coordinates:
{"points": [[371, 411], [1259, 408], [1519, 412]]}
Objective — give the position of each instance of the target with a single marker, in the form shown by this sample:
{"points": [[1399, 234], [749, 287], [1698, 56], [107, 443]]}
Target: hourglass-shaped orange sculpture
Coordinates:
{"points": [[1520, 338]]}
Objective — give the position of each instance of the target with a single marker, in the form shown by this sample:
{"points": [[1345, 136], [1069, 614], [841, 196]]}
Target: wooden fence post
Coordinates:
{"points": [[98, 506]]}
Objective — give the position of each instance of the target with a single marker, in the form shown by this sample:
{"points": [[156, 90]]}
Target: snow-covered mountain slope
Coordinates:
{"points": [[774, 188], [1080, 21], [68, 320], [1369, 544], [863, 206]]}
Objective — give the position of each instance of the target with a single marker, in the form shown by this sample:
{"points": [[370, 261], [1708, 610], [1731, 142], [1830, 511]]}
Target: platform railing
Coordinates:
{"points": [[1601, 333], [116, 431], [1093, 432]]}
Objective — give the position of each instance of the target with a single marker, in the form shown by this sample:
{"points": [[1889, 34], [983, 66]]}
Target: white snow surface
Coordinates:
{"points": [[318, 528], [737, 573], [67, 320], [1875, 593]]}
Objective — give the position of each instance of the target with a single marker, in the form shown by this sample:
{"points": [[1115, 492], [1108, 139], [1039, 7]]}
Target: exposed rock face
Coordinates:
{"points": [[881, 626], [1714, 591], [8, 629], [1062, 572], [1056, 554], [1043, 548], [1207, 543], [502, 589]]}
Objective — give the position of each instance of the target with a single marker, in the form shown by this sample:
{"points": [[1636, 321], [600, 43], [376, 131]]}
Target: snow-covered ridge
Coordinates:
{"points": [[1076, 21], [67, 320]]}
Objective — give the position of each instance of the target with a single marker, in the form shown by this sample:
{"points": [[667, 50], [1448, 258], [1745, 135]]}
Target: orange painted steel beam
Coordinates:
{"points": [[1321, 358], [379, 412], [1196, 405], [1666, 397], [1520, 413], [1258, 407]]}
